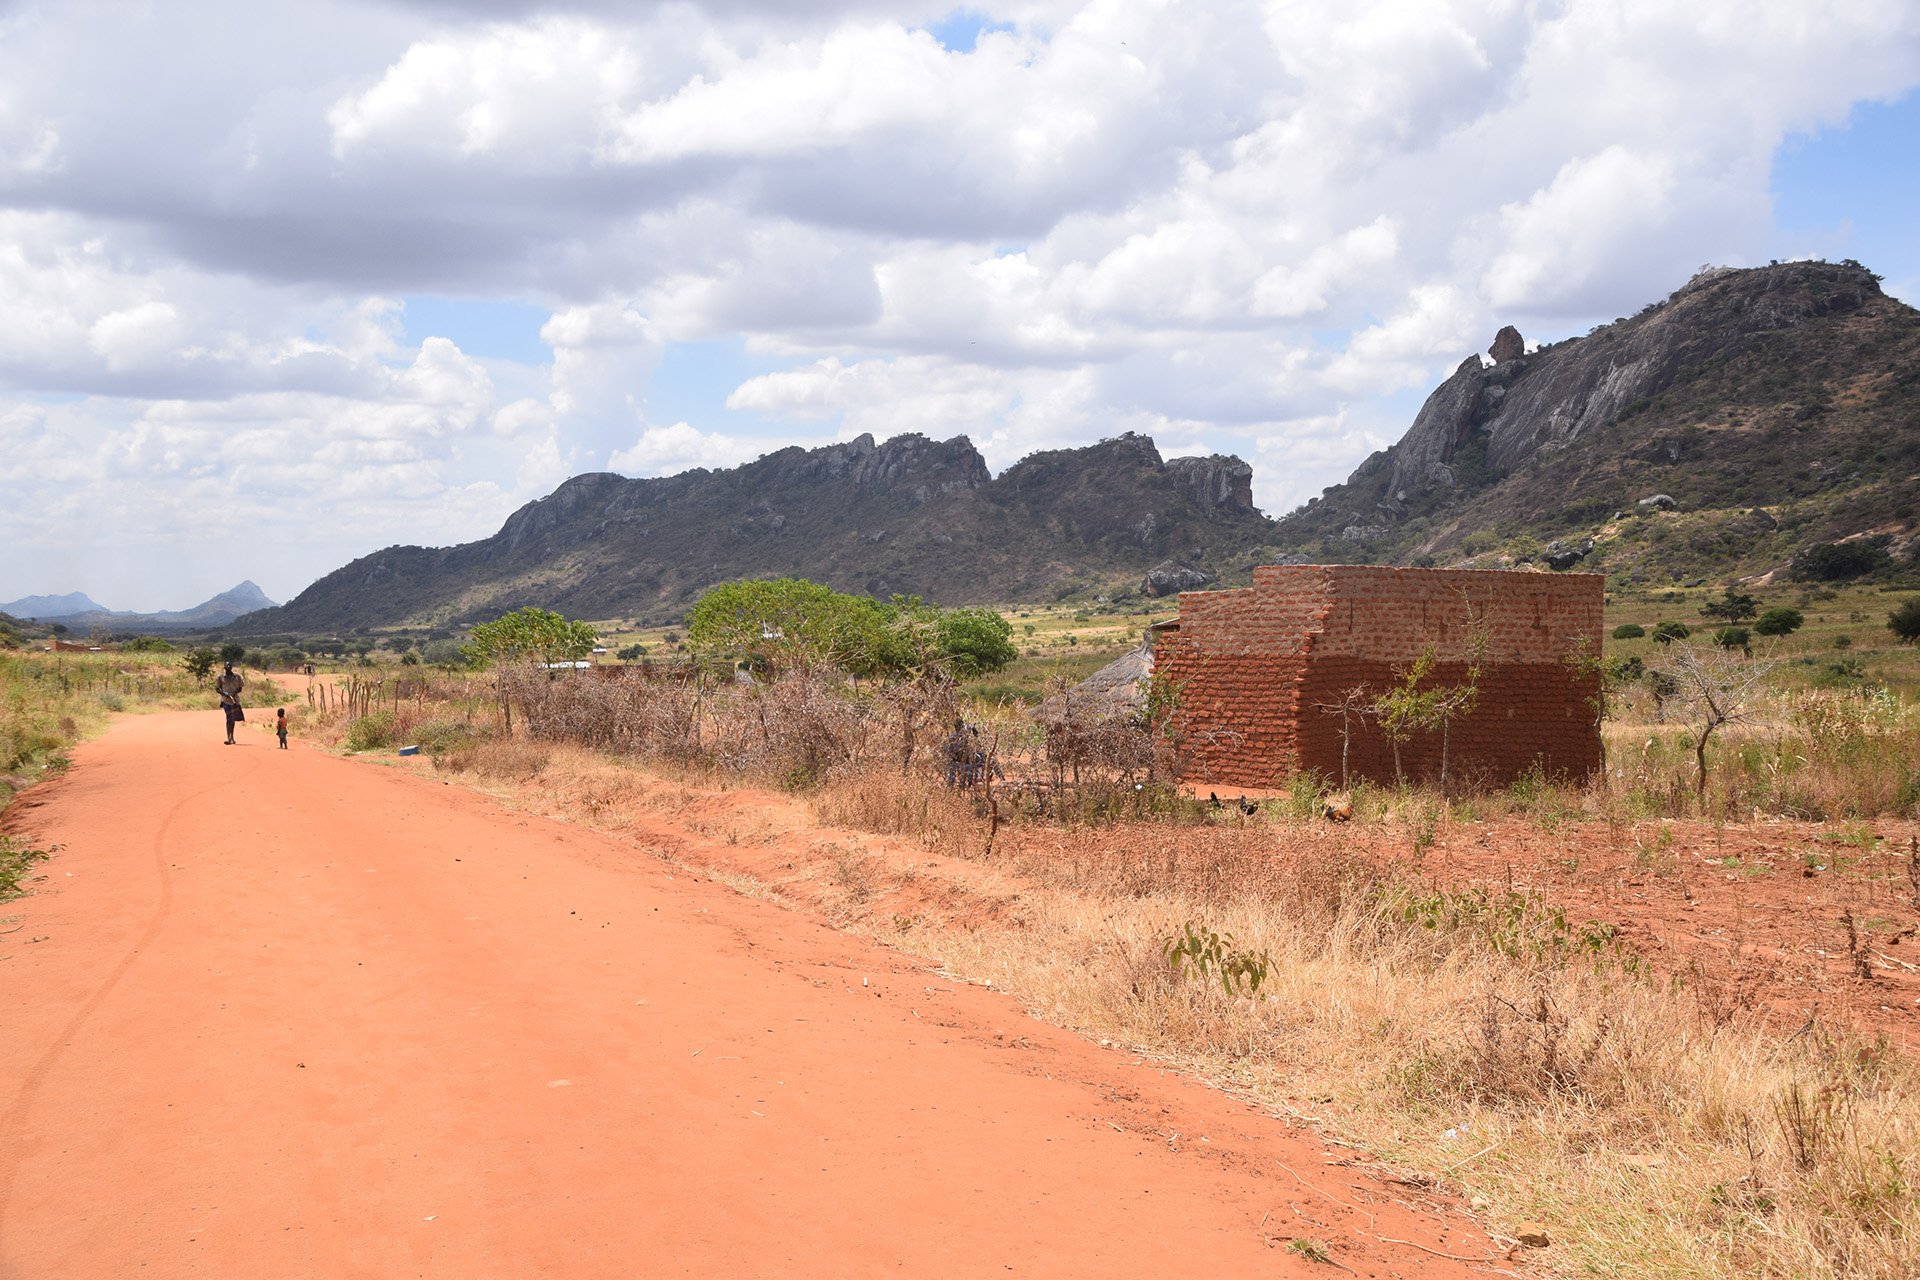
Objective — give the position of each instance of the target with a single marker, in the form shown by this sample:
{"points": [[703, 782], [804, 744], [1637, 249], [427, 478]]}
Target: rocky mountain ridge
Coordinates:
{"points": [[1721, 432], [909, 515], [1747, 415]]}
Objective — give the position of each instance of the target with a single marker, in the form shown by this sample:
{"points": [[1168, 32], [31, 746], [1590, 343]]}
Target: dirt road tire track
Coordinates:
{"points": [[367, 1025], [13, 1120]]}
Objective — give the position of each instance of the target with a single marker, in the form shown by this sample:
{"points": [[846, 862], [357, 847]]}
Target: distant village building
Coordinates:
{"points": [[1259, 675], [1267, 681]]}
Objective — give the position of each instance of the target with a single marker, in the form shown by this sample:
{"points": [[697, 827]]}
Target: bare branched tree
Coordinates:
{"points": [[1353, 706], [1717, 687]]}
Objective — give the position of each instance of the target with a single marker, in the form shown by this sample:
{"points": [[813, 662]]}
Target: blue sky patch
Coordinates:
{"points": [[494, 329], [694, 379], [1850, 192], [961, 30]]}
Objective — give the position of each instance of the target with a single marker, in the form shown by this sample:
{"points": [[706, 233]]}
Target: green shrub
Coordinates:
{"points": [[438, 737], [16, 866], [1904, 622], [1629, 631], [371, 731], [1839, 561], [1668, 632], [1780, 622]]}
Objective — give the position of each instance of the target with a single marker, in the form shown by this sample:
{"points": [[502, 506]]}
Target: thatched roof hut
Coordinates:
{"points": [[1116, 691]]}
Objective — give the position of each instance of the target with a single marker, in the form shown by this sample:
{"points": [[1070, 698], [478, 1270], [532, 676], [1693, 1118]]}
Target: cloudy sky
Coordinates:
{"points": [[281, 284]]}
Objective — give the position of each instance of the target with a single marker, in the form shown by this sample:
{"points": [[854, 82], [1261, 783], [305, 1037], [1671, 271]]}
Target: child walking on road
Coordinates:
{"points": [[280, 727]]}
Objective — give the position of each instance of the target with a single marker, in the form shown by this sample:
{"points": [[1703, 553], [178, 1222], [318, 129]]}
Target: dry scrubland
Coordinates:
{"points": [[1457, 985], [1659, 1114]]}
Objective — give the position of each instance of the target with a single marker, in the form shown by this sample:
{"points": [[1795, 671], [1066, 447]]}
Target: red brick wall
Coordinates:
{"points": [[1253, 668]]}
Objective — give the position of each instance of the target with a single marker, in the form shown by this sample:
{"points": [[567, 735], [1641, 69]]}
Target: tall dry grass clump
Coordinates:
{"points": [[1811, 754]]}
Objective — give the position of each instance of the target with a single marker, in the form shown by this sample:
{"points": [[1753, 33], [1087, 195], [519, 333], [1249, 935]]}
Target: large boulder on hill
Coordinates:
{"points": [[1169, 578]]}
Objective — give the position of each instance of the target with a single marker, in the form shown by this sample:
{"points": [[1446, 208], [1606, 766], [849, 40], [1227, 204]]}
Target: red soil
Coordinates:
{"points": [[1746, 915], [282, 1014]]}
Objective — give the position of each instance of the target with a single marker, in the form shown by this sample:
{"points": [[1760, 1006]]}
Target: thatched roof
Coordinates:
{"points": [[1118, 689]]}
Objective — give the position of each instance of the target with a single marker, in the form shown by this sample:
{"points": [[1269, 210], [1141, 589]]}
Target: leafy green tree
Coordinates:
{"points": [[1406, 707], [975, 642], [147, 644], [1668, 632], [232, 651], [530, 633], [1733, 607], [785, 623], [1629, 631], [1782, 621], [1904, 622], [198, 662], [790, 623], [1734, 638], [445, 653]]}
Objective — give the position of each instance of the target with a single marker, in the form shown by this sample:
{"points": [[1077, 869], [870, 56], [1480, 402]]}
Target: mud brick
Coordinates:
{"points": [[1263, 661]]}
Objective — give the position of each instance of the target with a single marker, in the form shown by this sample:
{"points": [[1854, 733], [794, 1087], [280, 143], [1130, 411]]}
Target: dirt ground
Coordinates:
{"points": [[284, 1014], [1749, 914]]}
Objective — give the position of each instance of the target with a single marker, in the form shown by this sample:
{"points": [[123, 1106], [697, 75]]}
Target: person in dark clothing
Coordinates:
{"points": [[228, 685], [966, 758], [958, 751]]}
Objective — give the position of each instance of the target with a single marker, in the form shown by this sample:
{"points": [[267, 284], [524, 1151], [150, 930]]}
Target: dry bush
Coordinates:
{"points": [[1093, 739], [497, 759], [625, 711], [909, 804], [791, 732]]}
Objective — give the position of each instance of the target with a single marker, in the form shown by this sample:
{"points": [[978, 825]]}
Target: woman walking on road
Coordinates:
{"points": [[228, 685]]}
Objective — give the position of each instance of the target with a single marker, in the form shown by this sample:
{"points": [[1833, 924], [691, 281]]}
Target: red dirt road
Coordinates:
{"points": [[278, 1014]]}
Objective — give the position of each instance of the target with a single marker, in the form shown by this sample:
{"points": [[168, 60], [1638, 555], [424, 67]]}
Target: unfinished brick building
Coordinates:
{"points": [[1257, 672]]}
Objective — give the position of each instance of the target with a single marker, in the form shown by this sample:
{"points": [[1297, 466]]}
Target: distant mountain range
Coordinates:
{"points": [[1719, 433], [910, 516], [77, 612], [52, 608]]}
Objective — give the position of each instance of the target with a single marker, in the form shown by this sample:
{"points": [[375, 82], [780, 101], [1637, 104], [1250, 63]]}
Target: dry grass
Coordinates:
{"points": [[49, 701], [1496, 1051]]}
